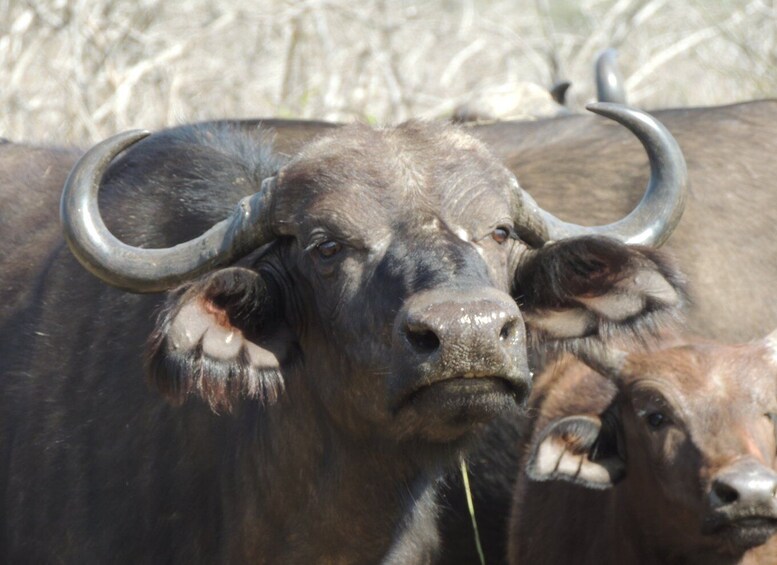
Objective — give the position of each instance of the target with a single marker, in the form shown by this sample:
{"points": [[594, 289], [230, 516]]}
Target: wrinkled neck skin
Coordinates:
{"points": [[368, 502]]}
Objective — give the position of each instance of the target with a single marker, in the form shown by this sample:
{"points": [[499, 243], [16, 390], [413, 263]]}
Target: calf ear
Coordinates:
{"points": [[583, 450], [222, 337], [596, 286]]}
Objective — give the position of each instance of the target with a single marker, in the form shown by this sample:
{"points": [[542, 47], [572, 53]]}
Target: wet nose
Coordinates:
{"points": [[742, 486], [476, 332], [478, 326]]}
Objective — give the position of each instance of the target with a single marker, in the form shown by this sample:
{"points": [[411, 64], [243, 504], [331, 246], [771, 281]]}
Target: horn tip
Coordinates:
{"points": [[602, 107], [136, 134]]}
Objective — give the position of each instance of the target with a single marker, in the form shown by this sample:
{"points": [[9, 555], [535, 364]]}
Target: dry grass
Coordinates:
{"points": [[79, 70]]}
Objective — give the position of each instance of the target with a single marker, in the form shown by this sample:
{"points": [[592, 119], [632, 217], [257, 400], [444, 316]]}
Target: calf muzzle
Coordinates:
{"points": [[742, 503]]}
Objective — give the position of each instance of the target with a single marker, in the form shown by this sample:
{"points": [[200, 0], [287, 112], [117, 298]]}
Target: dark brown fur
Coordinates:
{"points": [[720, 399]]}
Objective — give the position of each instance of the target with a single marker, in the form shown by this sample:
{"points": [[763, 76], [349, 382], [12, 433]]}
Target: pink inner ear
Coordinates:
{"points": [[222, 343], [564, 454], [555, 459], [200, 321], [188, 326], [219, 315]]}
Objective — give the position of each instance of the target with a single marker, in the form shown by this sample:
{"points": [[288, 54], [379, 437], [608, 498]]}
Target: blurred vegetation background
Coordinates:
{"points": [[76, 71]]}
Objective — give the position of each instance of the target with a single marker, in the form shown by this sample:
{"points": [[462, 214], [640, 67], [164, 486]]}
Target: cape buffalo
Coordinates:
{"points": [[670, 461], [725, 244], [327, 349]]}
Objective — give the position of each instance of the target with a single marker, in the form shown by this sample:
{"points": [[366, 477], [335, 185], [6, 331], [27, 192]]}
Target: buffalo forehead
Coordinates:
{"points": [[379, 177], [714, 387]]}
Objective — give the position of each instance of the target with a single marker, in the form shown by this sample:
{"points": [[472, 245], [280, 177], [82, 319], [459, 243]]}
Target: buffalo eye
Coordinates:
{"points": [[656, 420], [501, 234], [329, 248]]}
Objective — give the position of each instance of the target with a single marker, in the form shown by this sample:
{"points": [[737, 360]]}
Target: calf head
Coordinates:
{"points": [[690, 433], [383, 281]]}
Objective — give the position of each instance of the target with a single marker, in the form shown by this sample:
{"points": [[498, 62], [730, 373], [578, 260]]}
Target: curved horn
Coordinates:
{"points": [[660, 209], [609, 81], [151, 270]]}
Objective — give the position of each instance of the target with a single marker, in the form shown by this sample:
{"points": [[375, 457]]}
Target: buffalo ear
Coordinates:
{"points": [[583, 450], [596, 286], [221, 337]]}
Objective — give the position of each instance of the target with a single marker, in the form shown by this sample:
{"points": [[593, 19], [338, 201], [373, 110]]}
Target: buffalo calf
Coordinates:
{"points": [[670, 460]]}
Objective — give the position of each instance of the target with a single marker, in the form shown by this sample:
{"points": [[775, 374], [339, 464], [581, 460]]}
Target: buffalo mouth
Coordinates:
{"points": [[451, 409], [466, 398], [743, 533]]}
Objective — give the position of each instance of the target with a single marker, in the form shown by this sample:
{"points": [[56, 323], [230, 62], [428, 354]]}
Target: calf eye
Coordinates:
{"points": [[656, 420], [329, 248], [501, 234]]}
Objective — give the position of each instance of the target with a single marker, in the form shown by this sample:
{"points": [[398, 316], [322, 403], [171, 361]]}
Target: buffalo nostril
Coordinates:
{"points": [[507, 331], [423, 339], [726, 493]]}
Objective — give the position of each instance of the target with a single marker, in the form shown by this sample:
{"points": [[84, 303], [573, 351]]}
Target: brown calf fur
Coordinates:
{"points": [[671, 459]]}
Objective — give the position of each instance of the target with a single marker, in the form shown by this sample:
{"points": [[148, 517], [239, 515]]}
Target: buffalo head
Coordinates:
{"points": [[384, 273], [688, 434]]}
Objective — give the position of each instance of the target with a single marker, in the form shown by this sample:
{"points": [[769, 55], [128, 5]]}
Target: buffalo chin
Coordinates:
{"points": [[747, 533], [451, 409]]}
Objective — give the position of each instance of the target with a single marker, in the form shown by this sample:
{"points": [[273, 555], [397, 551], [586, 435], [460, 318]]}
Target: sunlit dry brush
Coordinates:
{"points": [[81, 70]]}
